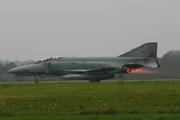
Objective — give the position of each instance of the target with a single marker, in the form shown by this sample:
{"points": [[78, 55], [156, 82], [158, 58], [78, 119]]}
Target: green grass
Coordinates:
{"points": [[97, 100], [97, 117]]}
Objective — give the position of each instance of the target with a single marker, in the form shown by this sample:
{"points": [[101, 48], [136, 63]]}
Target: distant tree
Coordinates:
{"points": [[170, 63], [9, 66], [3, 71]]}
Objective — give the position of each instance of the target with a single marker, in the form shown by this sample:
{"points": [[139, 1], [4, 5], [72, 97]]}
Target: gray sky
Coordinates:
{"points": [[34, 29]]}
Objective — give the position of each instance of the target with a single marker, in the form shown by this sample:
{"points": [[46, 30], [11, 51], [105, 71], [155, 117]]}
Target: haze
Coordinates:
{"points": [[34, 29]]}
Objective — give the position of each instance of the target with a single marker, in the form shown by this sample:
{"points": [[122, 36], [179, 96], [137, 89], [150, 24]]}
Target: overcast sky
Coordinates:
{"points": [[34, 29]]}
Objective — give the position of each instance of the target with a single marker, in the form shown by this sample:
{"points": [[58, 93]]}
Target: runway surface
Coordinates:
{"points": [[48, 82], [64, 81]]}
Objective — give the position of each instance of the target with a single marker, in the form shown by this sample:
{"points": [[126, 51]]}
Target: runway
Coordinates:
{"points": [[51, 82], [78, 81], [40, 82]]}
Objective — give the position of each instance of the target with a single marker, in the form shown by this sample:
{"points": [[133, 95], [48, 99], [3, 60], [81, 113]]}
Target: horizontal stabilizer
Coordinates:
{"points": [[152, 64], [148, 62]]}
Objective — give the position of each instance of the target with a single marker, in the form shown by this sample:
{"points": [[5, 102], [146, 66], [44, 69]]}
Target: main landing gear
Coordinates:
{"points": [[95, 80], [35, 78]]}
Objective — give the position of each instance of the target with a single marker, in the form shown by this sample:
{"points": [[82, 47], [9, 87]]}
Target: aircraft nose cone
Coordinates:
{"points": [[12, 71]]}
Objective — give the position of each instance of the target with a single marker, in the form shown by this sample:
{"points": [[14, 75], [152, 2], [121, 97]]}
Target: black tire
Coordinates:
{"points": [[94, 80], [36, 81]]}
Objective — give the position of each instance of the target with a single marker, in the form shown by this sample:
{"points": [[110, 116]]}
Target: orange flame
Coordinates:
{"points": [[140, 71], [130, 69]]}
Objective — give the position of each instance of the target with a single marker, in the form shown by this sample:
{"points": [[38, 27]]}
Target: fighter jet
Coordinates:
{"points": [[93, 69]]}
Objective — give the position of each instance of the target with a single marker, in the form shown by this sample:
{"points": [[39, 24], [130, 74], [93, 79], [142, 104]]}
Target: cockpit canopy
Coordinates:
{"points": [[49, 59]]}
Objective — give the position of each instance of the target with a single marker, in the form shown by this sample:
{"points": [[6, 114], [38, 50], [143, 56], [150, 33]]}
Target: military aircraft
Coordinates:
{"points": [[93, 69]]}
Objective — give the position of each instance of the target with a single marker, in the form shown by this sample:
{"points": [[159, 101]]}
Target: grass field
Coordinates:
{"points": [[138, 100]]}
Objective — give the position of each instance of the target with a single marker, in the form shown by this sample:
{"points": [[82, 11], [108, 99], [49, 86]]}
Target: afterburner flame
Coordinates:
{"points": [[140, 71]]}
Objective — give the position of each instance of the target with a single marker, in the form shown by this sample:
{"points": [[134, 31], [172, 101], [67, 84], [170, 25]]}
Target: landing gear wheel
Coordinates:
{"points": [[94, 80], [36, 81], [35, 78]]}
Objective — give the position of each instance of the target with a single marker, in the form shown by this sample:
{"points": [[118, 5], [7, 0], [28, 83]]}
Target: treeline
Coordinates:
{"points": [[170, 69], [3, 71], [170, 64]]}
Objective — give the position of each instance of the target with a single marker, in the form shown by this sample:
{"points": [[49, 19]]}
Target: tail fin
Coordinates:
{"points": [[146, 50]]}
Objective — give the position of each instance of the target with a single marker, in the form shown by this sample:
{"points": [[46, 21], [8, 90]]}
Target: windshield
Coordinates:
{"points": [[49, 59]]}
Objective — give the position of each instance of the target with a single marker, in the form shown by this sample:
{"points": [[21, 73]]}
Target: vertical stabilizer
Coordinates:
{"points": [[146, 50]]}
